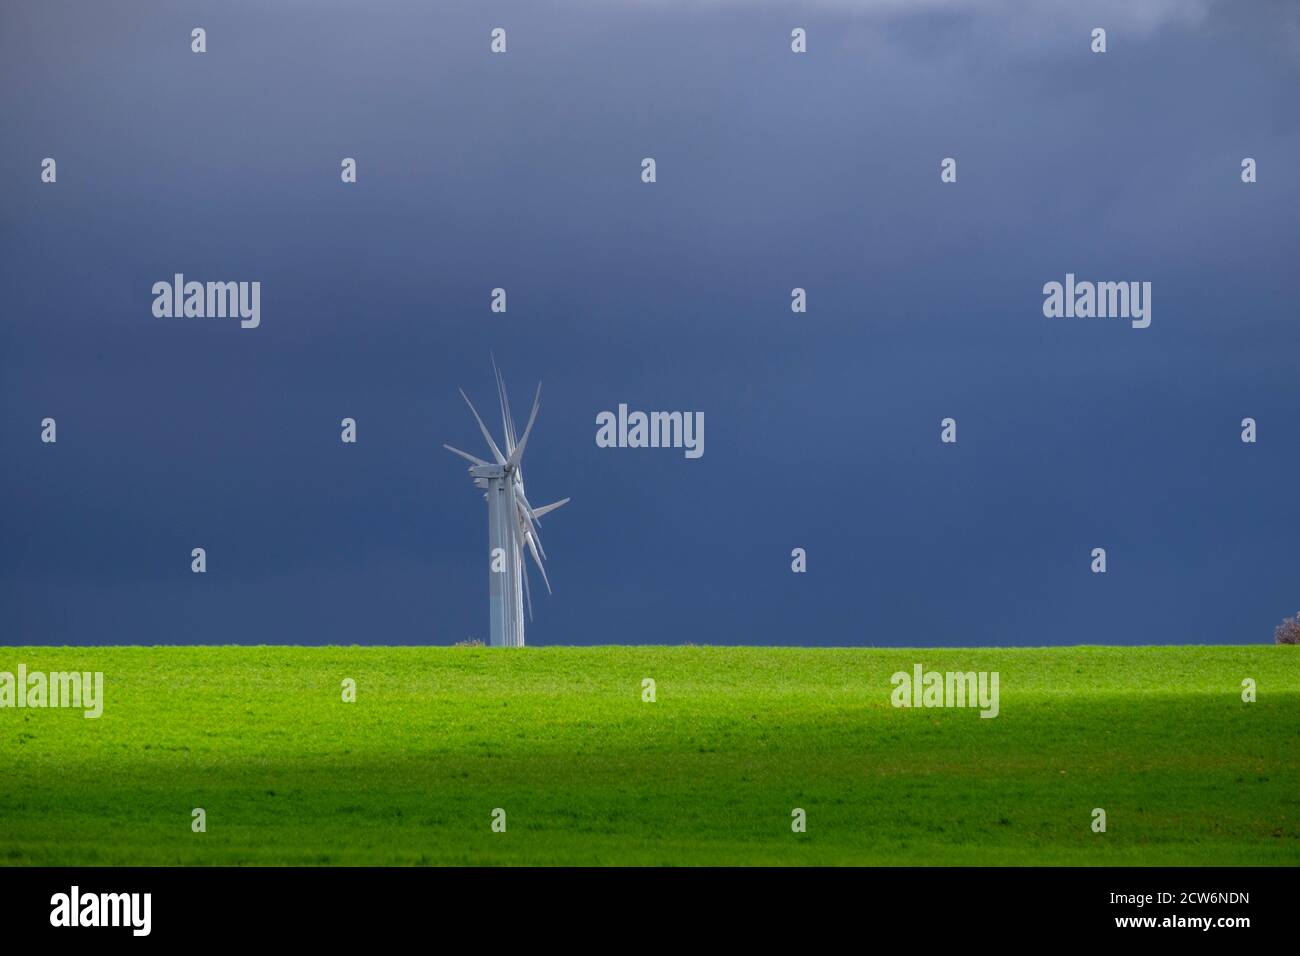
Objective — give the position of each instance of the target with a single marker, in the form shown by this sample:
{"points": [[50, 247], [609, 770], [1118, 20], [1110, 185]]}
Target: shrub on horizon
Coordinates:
{"points": [[1288, 632]]}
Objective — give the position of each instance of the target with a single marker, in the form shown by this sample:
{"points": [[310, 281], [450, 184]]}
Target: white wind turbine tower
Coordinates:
{"points": [[512, 521]]}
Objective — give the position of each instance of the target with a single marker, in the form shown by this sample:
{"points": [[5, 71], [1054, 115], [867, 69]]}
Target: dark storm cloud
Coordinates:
{"points": [[775, 171]]}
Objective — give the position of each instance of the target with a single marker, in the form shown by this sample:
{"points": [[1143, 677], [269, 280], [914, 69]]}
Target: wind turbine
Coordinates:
{"points": [[512, 521]]}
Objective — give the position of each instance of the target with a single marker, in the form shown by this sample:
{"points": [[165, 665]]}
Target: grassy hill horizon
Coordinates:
{"points": [[708, 774]]}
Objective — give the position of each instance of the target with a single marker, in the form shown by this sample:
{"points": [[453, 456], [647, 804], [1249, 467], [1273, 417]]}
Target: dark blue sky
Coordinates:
{"points": [[775, 171]]}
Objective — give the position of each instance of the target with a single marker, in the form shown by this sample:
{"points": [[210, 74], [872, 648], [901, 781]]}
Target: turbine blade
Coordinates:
{"points": [[464, 454], [525, 513], [532, 547], [510, 415], [527, 590], [547, 509], [517, 455], [523, 525], [523, 498], [506, 423], [501, 459]]}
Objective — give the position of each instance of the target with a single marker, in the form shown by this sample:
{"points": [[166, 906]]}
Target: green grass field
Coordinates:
{"points": [[587, 773]]}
